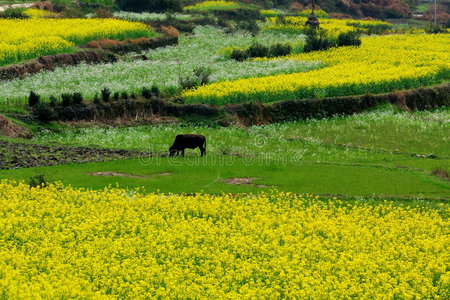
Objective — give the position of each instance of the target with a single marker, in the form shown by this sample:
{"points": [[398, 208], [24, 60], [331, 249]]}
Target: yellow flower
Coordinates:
{"points": [[60, 242], [380, 64], [30, 38]]}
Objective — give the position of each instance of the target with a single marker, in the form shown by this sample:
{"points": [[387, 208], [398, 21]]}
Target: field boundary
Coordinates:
{"points": [[255, 113], [423, 98]]}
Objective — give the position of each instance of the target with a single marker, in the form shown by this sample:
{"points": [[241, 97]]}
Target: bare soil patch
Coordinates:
{"points": [[243, 181], [441, 173], [162, 174], [24, 155], [115, 174], [9, 129], [137, 120], [127, 175]]}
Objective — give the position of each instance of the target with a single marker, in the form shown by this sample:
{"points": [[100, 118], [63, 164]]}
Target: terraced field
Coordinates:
{"points": [[348, 201]]}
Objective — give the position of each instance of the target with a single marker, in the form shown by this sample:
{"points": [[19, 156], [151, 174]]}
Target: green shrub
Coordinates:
{"points": [[44, 112], [77, 98], [155, 91], [72, 13], [146, 93], [116, 96], [433, 29], [200, 77], [96, 99], [239, 55], [317, 39], [14, 13], [280, 49], [106, 93], [67, 100], [371, 28], [348, 39], [37, 181], [318, 13], [53, 101], [33, 99], [248, 25], [151, 93], [258, 50]]}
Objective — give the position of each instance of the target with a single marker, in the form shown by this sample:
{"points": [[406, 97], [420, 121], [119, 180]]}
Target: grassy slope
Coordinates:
{"points": [[373, 153]]}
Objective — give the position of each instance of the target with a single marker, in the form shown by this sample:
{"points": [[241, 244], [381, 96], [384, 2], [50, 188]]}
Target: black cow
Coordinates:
{"points": [[191, 141]]}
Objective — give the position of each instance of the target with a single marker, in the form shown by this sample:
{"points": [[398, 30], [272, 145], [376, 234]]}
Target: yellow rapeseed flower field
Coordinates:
{"points": [[30, 38], [333, 26], [61, 242], [380, 64], [39, 13], [214, 5]]}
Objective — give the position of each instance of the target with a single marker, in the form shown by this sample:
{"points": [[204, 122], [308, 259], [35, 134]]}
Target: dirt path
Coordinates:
{"points": [[3, 7]]}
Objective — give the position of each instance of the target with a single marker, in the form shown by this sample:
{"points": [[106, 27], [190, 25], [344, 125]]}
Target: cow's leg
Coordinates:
{"points": [[202, 150], [182, 152]]}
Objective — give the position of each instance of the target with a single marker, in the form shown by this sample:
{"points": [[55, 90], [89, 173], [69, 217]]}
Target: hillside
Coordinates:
{"points": [[372, 8]]}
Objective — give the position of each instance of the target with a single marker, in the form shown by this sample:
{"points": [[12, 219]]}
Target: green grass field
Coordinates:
{"points": [[194, 174], [381, 153]]}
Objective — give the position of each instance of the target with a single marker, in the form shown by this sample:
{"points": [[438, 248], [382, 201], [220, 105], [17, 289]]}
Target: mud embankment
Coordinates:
{"points": [[254, 113]]}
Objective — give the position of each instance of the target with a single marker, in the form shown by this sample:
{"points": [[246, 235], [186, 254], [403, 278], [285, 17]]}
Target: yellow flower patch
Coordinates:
{"points": [[60, 242], [30, 38], [381, 64]]}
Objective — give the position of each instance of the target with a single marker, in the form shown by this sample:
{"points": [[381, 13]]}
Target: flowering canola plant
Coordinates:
{"points": [[320, 13], [39, 13], [381, 64], [215, 5], [60, 242], [333, 26], [31, 38]]}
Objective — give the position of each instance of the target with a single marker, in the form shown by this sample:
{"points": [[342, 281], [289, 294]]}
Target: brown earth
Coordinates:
{"points": [[24, 155], [254, 113], [115, 174], [51, 61], [9, 129], [243, 181], [127, 175], [441, 173]]}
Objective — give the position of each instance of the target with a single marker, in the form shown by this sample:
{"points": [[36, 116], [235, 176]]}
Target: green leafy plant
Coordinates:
{"points": [[350, 38], [106, 93], [67, 100], [44, 112], [199, 77], [33, 99], [14, 13], [38, 180], [317, 39]]}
